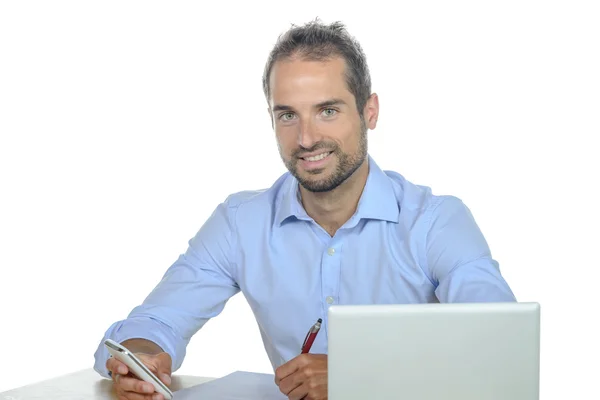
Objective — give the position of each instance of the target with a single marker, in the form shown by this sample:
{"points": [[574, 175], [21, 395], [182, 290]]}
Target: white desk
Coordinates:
{"points": [[84, 385]]}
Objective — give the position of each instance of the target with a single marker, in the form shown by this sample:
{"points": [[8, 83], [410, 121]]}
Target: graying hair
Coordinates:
{"points": [[316, 41]]}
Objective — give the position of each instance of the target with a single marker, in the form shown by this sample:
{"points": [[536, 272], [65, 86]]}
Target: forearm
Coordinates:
{"points": [[194, 289], [141, 335]]}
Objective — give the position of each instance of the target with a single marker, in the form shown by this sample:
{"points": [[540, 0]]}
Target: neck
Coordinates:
{"points": [[332, 209]]}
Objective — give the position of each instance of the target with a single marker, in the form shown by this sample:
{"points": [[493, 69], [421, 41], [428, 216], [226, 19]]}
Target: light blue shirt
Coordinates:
{"points": [[402, 245]]}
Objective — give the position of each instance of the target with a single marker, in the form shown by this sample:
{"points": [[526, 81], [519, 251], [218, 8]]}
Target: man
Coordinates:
{"points": [[335, 229]]}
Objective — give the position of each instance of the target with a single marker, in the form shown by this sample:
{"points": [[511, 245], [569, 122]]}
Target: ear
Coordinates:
{"points": [[371, 111]]}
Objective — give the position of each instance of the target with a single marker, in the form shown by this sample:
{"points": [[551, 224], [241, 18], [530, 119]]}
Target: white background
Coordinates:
{"points": [[124, 123]]}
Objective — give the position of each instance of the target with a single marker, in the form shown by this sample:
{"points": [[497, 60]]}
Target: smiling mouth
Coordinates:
{"points": [[317, 157]]}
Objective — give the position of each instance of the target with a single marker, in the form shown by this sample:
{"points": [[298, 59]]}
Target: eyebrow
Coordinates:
{"points": [[327, 103]]}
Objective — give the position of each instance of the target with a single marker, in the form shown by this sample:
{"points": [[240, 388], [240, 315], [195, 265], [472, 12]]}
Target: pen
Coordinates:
{"points": [[310, 336]]}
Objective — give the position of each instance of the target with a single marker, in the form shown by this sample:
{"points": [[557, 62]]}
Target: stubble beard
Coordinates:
{"points": [[347, 164]]}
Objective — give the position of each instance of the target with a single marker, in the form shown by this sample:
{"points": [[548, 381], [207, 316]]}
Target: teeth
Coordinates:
{"points": [[317, 158]]}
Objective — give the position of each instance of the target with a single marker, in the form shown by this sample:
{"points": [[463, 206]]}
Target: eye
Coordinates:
{"points": [[286, 116], [329, 112]]}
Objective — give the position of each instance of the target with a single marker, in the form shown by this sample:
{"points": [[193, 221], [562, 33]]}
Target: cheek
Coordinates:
{"points": [[347, 140], [285, 142], [341, 131]]}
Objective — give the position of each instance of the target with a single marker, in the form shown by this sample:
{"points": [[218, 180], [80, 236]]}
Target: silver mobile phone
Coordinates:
{"points": [[137, 367]]}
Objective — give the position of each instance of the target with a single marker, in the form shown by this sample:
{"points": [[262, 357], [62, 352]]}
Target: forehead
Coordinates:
{"points": [[301, 81]]}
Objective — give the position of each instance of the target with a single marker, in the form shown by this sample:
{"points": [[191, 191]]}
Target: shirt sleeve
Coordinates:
{"points": [[459, 258], [194, 289]]}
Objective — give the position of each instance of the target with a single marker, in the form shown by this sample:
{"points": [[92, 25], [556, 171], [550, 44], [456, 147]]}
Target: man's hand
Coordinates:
{"points": [[304, 377], [128, 387]]}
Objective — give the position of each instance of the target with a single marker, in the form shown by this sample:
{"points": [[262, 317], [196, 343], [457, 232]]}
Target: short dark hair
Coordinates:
{"points": [[316, 41]]}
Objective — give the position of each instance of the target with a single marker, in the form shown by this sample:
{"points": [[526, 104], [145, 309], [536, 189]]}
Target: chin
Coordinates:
{"points": [[318, 184], [315, 172]]}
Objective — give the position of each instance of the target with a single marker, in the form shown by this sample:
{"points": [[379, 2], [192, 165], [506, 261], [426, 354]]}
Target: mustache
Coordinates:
{"points": [[318, 146]]}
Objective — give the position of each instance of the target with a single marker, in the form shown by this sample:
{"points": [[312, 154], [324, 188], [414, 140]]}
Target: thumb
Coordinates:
{"points": [[159, 364], [165, 378], [164, 368]]}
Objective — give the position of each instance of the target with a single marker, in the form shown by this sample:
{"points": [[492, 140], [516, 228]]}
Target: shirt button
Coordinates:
{"points": [[330, 251], [329, 300]]}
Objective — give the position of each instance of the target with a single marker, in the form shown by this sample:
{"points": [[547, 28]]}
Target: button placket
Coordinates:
{"points": [[330, 273]]}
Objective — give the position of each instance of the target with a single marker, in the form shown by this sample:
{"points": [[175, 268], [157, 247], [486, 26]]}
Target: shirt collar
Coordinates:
{"points": [[378, 200]]}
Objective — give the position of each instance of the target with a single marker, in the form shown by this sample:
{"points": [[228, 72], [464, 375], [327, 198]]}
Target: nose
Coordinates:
{"points": [[307, 133]]}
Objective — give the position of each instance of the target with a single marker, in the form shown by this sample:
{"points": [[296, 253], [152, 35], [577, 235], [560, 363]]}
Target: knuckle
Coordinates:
{"points": [[305, 358], [140, 387], [125, 383], [286, 388], [313, 396], [308, 372]]}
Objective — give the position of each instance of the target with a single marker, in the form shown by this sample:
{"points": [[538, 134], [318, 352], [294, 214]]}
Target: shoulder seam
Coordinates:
{"points": [[232, 216], [429, 211]]}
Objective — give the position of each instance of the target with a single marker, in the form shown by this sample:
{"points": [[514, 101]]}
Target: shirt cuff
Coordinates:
{"points": [[138, 328]]}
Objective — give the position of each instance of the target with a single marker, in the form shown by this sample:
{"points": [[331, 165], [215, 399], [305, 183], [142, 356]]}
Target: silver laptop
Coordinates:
{"points": [[458, 351]]}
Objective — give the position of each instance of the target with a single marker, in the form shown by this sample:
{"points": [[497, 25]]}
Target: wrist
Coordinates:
{"points": [[145, 346]]}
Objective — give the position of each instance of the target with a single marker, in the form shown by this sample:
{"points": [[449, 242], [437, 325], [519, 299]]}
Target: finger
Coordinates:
{"points": [[290, 383], [155, 366], [138, 396], [131, 384], [285, 370], [298, 393], [159, 371], [116, 367]]}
